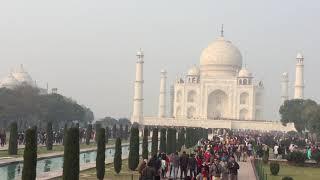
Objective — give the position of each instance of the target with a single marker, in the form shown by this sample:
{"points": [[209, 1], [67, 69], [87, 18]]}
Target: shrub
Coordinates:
{"points": [[163, 140], [71, 155], [107, 134], [154, 146], [181, 139], [29, 171], [287, 178], [49, 142], [145, 143], [133, 159], [265, 157], [88, 134], [117, 161], [114, 131], [101, 148], [274, 168], [296, 157], [171, 140], [13, 143], [316, 156]]}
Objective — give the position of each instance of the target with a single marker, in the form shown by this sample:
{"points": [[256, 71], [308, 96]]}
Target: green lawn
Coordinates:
{"points": [[296, 172], [56, 148]]}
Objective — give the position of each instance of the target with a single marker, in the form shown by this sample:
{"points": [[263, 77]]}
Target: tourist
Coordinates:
{"points": [[174, 165], [225, 171], [183, 164], [192, 164], [148, 173], [233, 167], [141, 166], [215, 170], [275, 151]]}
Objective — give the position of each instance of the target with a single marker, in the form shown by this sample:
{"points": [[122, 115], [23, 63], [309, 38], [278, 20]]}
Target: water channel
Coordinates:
{"points": [[14, 170]]}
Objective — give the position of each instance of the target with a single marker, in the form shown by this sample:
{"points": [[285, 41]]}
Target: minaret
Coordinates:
{"points": [[299, 84], [284, 87], [171, 100], [137, 114], [162, 96]]}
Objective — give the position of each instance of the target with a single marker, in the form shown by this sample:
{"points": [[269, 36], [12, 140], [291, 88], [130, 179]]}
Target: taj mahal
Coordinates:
{"points": [[220, 92]]}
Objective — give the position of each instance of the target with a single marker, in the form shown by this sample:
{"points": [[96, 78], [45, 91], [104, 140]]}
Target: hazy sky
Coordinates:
{"points": [[87, 48]]}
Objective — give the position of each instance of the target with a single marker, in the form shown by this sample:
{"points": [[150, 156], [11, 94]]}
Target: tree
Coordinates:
{"points": [[101, 149], [71, 155], [49, 142], [133, 159], [181, 139], [88, 134], [171, 140], [163, 139], [13, 143], [155, 139], [145, 143], [97, 127], [117, 162], [29, 171], [126, 132], [190, 136], [121, 131], [65, 133], [107, 134], [114, 131]]}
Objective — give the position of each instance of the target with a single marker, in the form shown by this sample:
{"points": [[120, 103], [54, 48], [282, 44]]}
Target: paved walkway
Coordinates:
{"points": [[246, 171]]}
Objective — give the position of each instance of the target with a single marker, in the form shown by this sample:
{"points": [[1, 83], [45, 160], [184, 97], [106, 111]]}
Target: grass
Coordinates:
{"points": [[125, 173], [56, 148], [296, 172]]}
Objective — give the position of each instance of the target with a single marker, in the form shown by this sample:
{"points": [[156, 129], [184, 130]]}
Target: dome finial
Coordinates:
{"points": [[221, 31]]}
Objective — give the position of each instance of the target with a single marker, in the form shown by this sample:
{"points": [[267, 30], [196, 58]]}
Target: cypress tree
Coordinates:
{"points": [[171, 140], [13, 143], [189, 137], [121, 131], [29, 171], [145, 143], [65, 133], [126, 132], [181, 139], [155, 139], [117, 161], [71, 155], [133, 159], [163, 139], [88, 134], [97, 127], [107, 134], [101, 149], [114, 131], [49, 142]]}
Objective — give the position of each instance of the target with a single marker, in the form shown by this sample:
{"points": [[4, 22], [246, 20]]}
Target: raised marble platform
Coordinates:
{"points": [[219, 123]]}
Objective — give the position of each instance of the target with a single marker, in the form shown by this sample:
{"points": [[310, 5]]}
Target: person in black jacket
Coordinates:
{"points": [[192, 163], [183, 164], [233, 167]]}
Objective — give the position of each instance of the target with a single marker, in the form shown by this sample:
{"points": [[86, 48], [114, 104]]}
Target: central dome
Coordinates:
{"points": [[221, 55]]}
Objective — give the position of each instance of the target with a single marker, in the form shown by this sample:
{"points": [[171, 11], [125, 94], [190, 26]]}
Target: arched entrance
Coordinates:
{"points": [[217, 105]]}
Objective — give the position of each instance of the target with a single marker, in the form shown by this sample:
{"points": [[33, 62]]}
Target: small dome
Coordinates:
{"points": [[194, 71], [9, 82], [285, 74], [244, 73], [21, 75], [299, 56]]}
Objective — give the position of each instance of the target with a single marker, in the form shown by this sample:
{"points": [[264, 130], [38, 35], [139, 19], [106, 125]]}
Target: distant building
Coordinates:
{"points": [[19, 76]]}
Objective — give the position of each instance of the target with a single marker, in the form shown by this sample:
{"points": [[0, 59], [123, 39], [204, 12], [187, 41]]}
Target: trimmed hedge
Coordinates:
{"points": [[71, 166], [29, 171], [117, 161], [145, 151], [133, 159], [101, 149], [88, 134], [163, 140], [13, 141], [155, 139], [274, 168], [49, 142], [296, 157]]}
